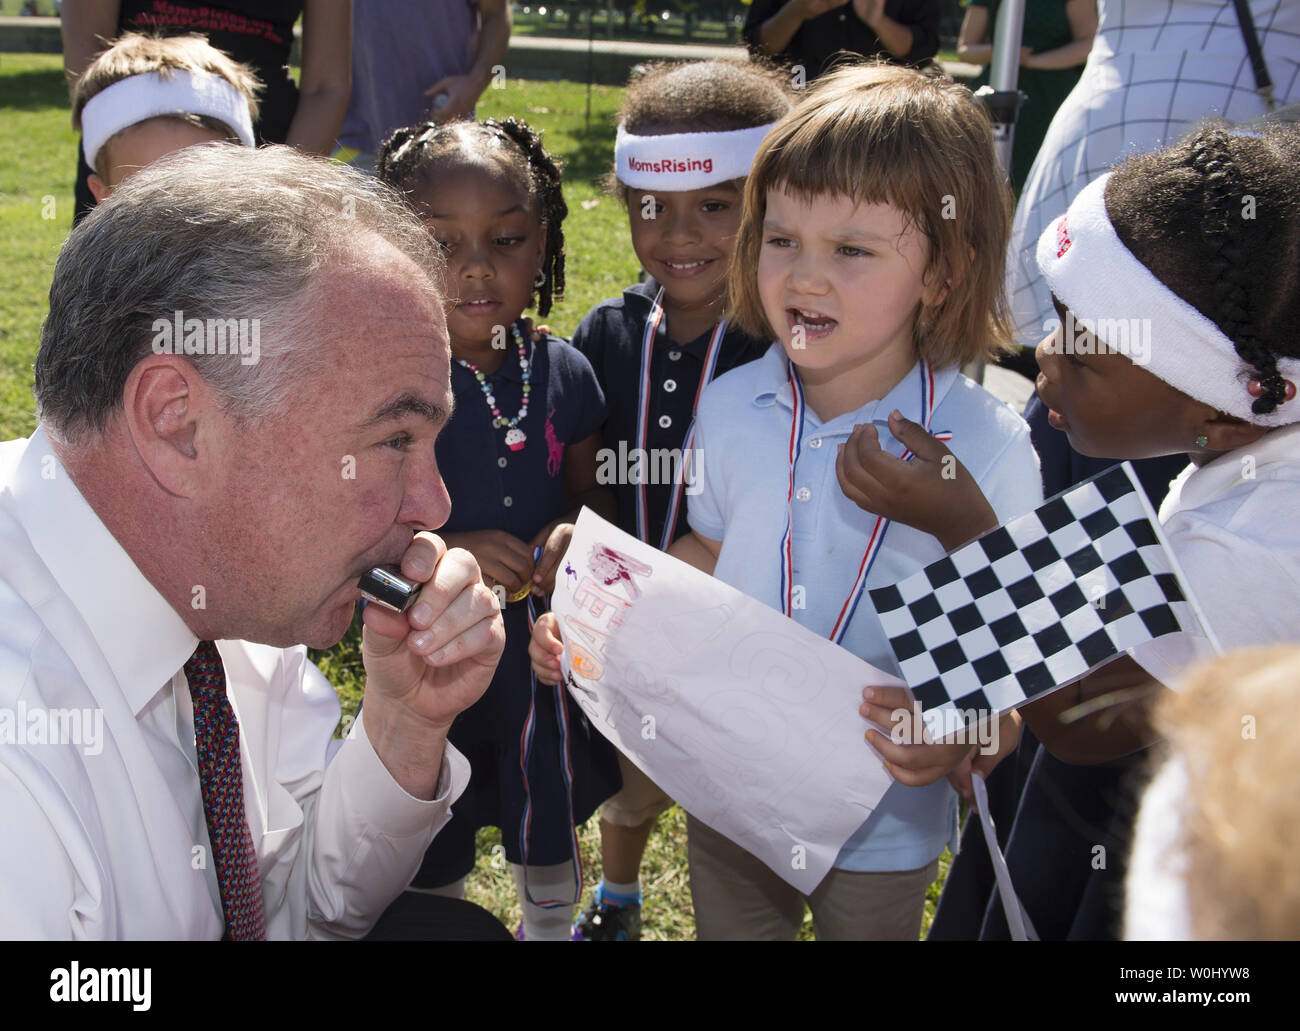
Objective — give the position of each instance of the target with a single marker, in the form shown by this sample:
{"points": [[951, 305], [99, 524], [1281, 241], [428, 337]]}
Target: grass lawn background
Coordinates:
{"points": [[37, 152]]}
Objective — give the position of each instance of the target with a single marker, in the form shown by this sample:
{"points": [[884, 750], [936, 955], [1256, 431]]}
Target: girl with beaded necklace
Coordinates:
{"points": [[519, 460]]}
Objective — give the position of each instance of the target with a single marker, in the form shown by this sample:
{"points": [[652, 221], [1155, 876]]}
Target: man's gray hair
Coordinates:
{"points": [[216, 233]]}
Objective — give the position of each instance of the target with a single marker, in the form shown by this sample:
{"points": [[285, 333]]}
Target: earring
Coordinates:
{"points": [[540, 281], [1202, 440]]}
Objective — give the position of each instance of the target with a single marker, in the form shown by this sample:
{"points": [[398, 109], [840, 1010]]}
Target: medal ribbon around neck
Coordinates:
{"points": [[877, 531], [643, 423], [566, 772]]}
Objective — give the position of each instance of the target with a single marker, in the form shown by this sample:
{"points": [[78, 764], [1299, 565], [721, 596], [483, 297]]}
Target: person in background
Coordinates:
{"points": [[418, 62], [146, 96], [258, 33], [807, 34], [1057, 37]]}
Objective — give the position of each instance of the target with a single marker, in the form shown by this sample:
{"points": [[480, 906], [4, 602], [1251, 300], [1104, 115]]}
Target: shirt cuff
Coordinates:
{"points": [[369, 789]]}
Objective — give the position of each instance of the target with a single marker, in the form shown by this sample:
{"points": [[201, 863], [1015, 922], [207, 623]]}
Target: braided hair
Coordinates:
{"points": [[1216, 218], [409, 159]]}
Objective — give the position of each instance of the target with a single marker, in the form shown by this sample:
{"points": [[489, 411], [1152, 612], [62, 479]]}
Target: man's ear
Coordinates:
{"points": [[98, 187], [163, 403], [1226, 432]]}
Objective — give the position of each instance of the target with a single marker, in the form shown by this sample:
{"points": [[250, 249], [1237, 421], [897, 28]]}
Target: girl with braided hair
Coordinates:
{"points": [[519, 460], [1176, 279], [1197, 248]]}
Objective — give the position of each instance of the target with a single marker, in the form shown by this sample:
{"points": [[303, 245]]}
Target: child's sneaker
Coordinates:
{"points": [[605, 922]]}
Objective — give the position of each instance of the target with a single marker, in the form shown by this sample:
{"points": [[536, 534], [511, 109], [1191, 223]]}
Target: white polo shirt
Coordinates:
{"points": [[743, 430], [1234, 527]]}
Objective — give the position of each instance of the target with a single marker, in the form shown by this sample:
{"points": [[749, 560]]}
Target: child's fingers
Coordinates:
{"points": [[913, 435], [858, 485], [545, 649], [918, 765], [554, 549]]}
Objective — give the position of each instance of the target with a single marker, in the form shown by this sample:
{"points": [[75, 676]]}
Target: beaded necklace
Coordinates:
{"points": [[515, 438]]}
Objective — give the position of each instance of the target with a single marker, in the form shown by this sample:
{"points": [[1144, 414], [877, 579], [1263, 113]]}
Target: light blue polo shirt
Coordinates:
{"points": [[743, 432]]}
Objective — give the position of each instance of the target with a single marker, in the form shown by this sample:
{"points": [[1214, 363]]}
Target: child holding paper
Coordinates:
{"points": [[656, 347], [871, 249]]}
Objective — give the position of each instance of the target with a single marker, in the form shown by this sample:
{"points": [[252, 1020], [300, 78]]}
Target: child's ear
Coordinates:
{"points": [[541, 249], [935, 285], [1227, 432], [98, 187]]}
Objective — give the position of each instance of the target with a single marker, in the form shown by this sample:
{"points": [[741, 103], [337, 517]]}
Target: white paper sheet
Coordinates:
{"points": [[744, 717]]}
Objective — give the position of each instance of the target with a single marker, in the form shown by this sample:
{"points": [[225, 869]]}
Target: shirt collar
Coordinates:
{"points": [[772, 386], [642, 297], [143, 639], [1214, 479]]}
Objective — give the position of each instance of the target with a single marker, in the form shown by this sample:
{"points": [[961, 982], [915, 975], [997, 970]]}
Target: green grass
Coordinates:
{"points": [[36, 171]]}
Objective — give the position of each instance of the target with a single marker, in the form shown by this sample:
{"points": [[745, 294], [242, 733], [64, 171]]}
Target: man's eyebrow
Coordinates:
{"points": [[409, 404]]}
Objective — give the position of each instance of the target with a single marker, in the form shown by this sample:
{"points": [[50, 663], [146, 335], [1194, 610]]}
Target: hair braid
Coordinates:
{"points": [[548, 183], [1226, 231]]}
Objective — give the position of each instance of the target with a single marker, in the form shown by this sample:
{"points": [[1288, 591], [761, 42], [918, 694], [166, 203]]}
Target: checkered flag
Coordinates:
{"points": [[1037, 603]]}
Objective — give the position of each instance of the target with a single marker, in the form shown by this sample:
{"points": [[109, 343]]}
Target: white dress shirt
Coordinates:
{"points": [[1232, 525], [104, 834]]}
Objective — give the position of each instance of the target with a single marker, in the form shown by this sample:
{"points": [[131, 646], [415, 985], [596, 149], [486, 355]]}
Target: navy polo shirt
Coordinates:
{"points": [[610, 337], [492, 487]]}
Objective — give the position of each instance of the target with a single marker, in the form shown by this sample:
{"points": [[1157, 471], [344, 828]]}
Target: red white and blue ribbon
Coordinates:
{"points": [[877, 534], [566, 769], [643, 424]]}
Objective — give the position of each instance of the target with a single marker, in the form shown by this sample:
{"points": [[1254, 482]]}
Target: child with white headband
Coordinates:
{"points": [[1193, 250], [146, 96], [687, 134]]}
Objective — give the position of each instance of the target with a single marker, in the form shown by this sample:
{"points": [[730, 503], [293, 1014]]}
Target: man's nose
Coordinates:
{"points": [[426, 505]]}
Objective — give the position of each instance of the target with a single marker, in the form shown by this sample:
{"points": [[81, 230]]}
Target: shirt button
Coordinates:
{"points": [[501, 462], [816, 442], [803, 494], [507, 501], [665, 421], [670, 385], [674, 356]]}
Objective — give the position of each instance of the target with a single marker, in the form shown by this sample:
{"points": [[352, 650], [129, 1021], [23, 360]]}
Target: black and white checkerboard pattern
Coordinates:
{"points": [[1035, 604]]}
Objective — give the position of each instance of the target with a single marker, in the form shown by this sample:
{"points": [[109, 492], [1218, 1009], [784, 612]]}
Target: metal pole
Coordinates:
{"points": [[1004, 73], [1002, 97]]}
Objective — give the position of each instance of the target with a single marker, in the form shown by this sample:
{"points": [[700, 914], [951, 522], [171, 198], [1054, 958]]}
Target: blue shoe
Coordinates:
{"points": [[605, 922]]}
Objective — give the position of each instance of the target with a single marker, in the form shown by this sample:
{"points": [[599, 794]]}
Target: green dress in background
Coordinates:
{"points": [[1046, 28]]}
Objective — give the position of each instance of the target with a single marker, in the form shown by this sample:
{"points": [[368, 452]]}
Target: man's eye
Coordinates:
{"points": [[400, 442]]}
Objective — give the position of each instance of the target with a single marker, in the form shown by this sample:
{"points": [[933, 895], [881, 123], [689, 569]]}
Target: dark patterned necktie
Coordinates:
{"points": [[216, 739]]}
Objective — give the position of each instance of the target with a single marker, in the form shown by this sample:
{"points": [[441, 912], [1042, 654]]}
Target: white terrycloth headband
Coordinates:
{"points": [[1114, 295], [150, 95], [687, 160]]}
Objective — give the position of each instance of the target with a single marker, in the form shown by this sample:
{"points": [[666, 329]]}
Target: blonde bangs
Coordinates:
{"points": [[877, 134]]}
